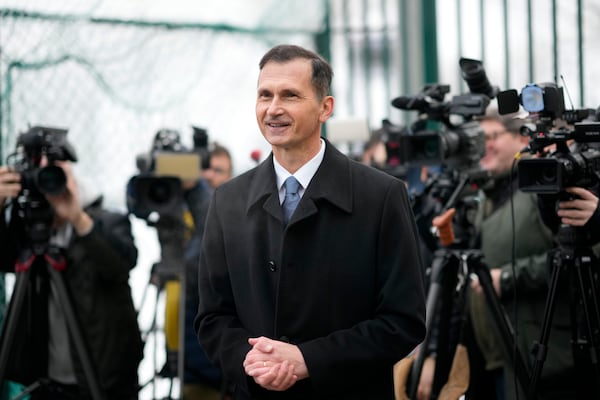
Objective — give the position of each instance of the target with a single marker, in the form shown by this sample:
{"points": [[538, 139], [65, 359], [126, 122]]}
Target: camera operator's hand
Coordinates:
{"points": [[67, 206], [578, 211], [495, 274], [10, 184]]}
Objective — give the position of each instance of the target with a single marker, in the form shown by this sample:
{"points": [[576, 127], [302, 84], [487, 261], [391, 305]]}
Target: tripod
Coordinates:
{"points": [[450, 272], [168, 275], [579, 264], [451, 268], [48, 264]]}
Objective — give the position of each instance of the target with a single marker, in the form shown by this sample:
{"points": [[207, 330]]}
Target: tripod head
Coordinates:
{"points": [[449, 190]]}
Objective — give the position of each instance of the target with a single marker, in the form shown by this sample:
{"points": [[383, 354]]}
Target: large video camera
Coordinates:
{"points": [[32, 147], [576, 164], [435, 138], [158, 187]]}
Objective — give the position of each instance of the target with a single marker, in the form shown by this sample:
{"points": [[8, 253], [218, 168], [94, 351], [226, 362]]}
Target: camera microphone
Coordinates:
{"points": [[410, 103]]}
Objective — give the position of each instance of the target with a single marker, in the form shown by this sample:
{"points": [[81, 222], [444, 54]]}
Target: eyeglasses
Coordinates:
{"points": [[220, 171], [494, 135]]}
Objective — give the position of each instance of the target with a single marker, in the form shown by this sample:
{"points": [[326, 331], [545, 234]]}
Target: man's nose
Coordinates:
{"points": [[274, 106]]}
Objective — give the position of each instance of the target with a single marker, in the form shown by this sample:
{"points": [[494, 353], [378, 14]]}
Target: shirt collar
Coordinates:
{"points": [[304, 174]]}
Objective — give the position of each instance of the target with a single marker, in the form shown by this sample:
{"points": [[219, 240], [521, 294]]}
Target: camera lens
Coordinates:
{"points": [[160, 191], [51, 180]]}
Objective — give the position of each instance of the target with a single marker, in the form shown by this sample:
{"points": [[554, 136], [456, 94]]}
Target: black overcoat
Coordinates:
{"points": [[343, 281]]}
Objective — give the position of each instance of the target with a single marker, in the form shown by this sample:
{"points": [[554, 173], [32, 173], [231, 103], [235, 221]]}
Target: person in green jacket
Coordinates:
{"points": [[515, 243]]}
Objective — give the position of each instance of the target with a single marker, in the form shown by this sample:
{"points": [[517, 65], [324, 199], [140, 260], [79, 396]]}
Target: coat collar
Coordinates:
{"points": [[332, 182]]}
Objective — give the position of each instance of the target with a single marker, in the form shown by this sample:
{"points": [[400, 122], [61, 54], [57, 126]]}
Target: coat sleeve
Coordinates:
{"points": [[110, 245]]}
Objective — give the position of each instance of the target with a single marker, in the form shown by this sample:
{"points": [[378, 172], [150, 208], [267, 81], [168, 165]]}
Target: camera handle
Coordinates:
{"points": [[55, 264], [579, 264]]}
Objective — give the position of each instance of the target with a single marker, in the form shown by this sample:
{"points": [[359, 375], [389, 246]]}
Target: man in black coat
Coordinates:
{"points": [[323, 306], [96, 249]]}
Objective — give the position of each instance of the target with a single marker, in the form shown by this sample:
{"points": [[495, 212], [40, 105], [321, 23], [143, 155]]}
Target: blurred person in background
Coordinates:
{"points": [[99, 250], [202, 379], [220, 168]]}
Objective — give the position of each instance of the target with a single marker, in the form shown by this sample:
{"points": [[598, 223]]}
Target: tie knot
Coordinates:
{"points": [[291, 185]]}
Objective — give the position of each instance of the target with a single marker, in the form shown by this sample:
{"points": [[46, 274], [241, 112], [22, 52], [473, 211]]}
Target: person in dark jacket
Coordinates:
{"points": [[323, 306], [99, 251], [202, 379]]}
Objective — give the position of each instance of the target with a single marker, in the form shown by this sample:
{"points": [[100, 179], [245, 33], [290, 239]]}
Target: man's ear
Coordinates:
{"points": [[326, 108]]}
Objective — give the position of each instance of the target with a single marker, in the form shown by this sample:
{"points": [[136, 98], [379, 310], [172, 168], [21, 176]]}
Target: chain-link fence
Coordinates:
{"points": [[113, 83]]}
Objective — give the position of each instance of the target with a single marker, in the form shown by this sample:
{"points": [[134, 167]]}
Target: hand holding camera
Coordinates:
{"points": [[67, 205], [10, 184], [578, 210]]}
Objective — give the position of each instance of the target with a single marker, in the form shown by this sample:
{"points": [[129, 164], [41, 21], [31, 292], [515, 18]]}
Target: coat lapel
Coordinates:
{"points": [[263, 190], [332, 182]]}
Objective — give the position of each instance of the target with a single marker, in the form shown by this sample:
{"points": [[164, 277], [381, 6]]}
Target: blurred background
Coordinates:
{"points": [[115, 72]]}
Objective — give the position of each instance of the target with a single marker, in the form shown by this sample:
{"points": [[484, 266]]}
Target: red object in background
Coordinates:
{"points": [[255, 155]]}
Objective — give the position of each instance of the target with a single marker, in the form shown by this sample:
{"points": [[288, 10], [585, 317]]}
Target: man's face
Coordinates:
{"points": [[288, 111], [500, 147], [219, 171]]}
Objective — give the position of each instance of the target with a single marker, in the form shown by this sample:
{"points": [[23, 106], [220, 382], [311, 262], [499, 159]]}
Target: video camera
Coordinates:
{"points": [[566, 165], [452, 144], [37, 180], [158, 187]]}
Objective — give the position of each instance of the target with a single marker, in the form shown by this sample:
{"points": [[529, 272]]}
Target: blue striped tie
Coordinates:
{"points": [[291, 200]]}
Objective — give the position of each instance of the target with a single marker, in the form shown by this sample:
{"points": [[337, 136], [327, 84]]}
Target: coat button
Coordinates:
{"points": [[272, 266]]}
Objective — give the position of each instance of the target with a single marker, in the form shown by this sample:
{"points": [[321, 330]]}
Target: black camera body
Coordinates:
{"points": [[447, 143], [158, 188], [147, 194], [37, 180], [564, 167]]}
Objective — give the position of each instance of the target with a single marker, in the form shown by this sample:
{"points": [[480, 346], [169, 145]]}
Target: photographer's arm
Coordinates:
{"points": [[67, 205], [105, 237], [9, 188]]}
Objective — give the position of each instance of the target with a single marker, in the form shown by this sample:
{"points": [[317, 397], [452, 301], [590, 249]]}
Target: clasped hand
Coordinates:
{"points": [[274, 365]]}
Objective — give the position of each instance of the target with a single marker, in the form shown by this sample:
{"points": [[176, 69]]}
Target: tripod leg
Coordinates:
{"points": [[11, 321], [439, 270], [588, 378], [541, 347], [77, 335], [503, 324]]}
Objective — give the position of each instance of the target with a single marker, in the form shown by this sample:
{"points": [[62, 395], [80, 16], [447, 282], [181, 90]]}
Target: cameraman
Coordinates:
{"points": [[99, 250], [202, 379], [527, 278], [491, 375]]}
